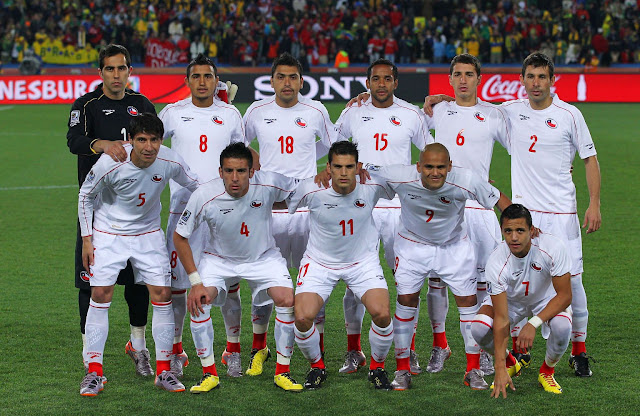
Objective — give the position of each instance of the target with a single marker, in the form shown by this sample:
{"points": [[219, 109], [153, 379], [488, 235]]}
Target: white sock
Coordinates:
{"points": [[202, 332], [467, 313], [415, 320], [138, 338], [96, 330], [283, 331], [232, 314], [260, 316], [580, 312], [353, 312], [84, 348], [179, 305], [559, 337], [319, 320], [309, 343], [162, 329], [437, 305], [403, 332], [380, 340]]}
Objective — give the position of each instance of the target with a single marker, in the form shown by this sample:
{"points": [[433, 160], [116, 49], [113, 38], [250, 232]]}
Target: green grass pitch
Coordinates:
{"points": [[40, 360]]}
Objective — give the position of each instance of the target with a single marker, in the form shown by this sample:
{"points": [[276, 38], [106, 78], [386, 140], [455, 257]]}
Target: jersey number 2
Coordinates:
{"points": [[535, 140]]}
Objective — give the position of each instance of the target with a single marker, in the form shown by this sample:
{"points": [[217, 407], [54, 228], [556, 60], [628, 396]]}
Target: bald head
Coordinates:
{"points": [[435, 148]]}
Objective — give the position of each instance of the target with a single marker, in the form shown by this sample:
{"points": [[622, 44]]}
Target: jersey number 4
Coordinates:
{"points": [[244, 230]]}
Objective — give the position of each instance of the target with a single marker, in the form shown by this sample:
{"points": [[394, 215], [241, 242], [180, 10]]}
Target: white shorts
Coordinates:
{"points": [[270, 270], [386, 216], [453, 263], [518, 311], [291, 232], [147, 253], [360, 277], [484, 233], [567, 228], [197, 241]]}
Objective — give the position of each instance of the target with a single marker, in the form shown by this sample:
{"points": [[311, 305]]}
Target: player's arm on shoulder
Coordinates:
{"points": [[432, 100], [592, 217], [182, 174], [300, 196], [383, 189]]}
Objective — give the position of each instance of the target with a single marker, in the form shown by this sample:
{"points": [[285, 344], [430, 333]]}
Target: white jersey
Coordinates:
{"points": [[543, 146], [436, 217], [342, 229], [384, 135], [527, 280], [200, 134], [287, 136], [240, 227], [129, 197]]}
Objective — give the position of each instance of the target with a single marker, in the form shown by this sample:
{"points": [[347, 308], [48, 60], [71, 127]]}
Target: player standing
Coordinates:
{"points": [[286, 128], [433, 242], [237, 211], [468, 127], [343, 244], [98, 124], [546, 134], [384, 129], [200, 127], [525, 277], [119, 215]]}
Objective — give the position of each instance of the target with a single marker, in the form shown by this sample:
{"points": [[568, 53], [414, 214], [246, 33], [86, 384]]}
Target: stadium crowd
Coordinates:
{"points": [[254, 32]]}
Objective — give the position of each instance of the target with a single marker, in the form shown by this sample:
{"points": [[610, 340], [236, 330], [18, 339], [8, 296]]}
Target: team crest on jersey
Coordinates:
{"points": [[535, 267], [90, 176], [74, 120], [359, 203], [300, 122], [256, 204], [551, 123], [479, 116], [85, 276], [395, 121], [365, 118], [184, 217], [186, 118], [156, 178], [217, 120], [445, 200], [132, 111]]}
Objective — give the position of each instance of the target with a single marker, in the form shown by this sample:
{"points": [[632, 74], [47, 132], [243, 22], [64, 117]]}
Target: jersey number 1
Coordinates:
{"points": [[344, 227]]}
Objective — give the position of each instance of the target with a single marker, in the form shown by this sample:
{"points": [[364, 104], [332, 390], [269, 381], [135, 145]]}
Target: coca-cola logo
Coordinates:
{"points": [[497, 89]]}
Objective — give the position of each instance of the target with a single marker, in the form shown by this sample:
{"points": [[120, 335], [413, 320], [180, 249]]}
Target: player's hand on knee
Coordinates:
{"points": [[526, 336], [322, 179], [198, 297]]}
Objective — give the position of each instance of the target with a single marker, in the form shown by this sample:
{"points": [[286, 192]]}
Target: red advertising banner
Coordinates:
{"points": [[599, 88], [64, 89], [160, 54]]}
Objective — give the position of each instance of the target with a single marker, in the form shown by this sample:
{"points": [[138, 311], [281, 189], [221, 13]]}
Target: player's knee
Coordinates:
{"points": [[482, 330], [303, 323], [102, 294], [560, 328], [383, 320], [282, 296], [159, 293]]}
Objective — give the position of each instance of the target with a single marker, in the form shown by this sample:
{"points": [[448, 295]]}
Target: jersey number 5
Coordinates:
{"points": [[142, 199]]}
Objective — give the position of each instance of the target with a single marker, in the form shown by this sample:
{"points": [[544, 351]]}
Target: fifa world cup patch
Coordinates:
{"points": [[184, 217], [90, 176], [74, 120]]}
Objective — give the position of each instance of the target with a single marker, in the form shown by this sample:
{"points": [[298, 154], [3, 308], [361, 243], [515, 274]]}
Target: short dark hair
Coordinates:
{"points": [[236, 150], [515, 211], [466, 58], [201, 59], [113, 50], [537, 60], [146, 123], [382, 61], [286, 59], [343, 147]]}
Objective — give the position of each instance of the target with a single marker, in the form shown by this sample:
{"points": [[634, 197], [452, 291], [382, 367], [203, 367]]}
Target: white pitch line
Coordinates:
{"points": [[9, 107], [28, 188]]}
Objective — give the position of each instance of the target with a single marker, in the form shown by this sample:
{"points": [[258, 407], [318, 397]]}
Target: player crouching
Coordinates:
{"points": [[237, 209], [526, 276]]}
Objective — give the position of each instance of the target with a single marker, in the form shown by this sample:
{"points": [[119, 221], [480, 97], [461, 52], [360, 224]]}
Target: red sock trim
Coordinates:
{"points": [[318, 364], [373, 364], [282, 368], [413, 342], [473, 361], [353, 342], [321, 342], [440, 339], [95, 368], [545, 369], [233, 346], [402, 364], [210, 369], [162, 365], [516, 349], [511, 360], [177, 348], [259, 341], [578, 347]]}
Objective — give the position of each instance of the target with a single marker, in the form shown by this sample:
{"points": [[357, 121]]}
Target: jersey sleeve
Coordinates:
{"points": [[237, 132], [422, 135], [167, 122], [325, 127], [496, 265], [182, 174], [80, 124], [343, 125], [281, 185], [148, 106], [502, 129], [249, 128], [582, 136], [94, 183], [483, 192], [383, 190], [300, 196], [192, 216]]}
